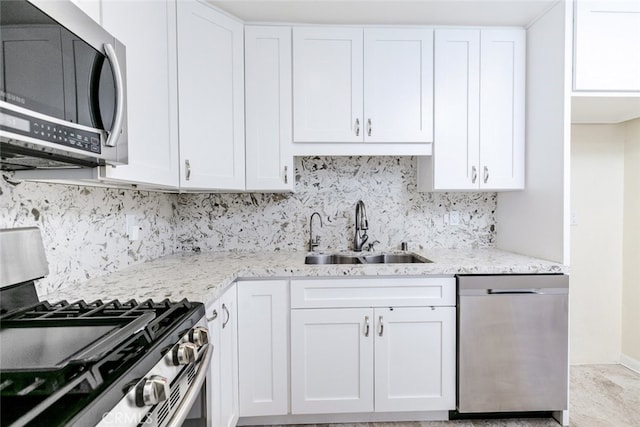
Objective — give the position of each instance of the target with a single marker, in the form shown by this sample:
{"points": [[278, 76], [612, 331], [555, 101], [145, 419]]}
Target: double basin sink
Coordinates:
{"points": [[381, 258]]}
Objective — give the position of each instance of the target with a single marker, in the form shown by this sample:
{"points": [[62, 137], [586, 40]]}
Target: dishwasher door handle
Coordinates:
{"points": [[513, 291]]}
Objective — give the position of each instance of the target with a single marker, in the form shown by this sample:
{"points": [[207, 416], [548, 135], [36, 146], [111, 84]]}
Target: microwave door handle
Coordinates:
{"points": [[116, 129]]}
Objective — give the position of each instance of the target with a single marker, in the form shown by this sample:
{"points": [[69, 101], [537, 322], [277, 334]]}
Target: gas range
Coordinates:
{"points": [[113, 363]]}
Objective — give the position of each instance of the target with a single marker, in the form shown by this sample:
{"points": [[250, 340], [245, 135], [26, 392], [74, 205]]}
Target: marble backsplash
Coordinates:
{"points": [[332, 186], [83, 228]]}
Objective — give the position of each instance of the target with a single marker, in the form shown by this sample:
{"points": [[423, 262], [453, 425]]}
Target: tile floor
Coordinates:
{"points": [[601, 396]]}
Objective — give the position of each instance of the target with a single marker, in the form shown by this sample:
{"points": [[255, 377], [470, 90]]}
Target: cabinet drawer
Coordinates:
{"points": [[375, 292]]}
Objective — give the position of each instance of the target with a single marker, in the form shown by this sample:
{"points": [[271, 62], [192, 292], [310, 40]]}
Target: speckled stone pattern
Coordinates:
{"points": [[203, 276], [332, 186], [83, 228]]}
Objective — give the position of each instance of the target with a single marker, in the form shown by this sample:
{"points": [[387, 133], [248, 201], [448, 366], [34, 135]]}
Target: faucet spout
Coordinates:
{"points": [[362, 225], [314, 242]]}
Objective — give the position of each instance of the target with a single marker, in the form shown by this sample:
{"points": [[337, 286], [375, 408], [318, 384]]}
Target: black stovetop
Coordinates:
{"points": [[69, 363]]}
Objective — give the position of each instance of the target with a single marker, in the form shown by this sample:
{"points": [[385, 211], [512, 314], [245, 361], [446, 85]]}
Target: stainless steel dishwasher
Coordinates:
{"points": [[512, 343]]}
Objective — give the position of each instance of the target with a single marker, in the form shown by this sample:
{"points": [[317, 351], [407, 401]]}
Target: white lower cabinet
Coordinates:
{"points": [[383, 358], [263, 347], [223, 331], [331, 360], [415, 354]]}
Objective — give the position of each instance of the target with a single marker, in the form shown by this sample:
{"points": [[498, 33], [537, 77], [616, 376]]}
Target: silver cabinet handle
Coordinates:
{"points": [[474, 174], [226, 310], [187, 167], [380, 326], [286, 178], [357, 127], [116, 128], [486, 174], [369, 127], [366, 326], [213, 317]]}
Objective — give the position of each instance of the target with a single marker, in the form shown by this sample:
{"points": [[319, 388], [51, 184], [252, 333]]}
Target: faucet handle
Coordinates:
{"points": [[370, 246]]}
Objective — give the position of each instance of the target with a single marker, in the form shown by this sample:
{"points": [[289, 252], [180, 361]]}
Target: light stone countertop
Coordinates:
{"points": [[203, 276]]}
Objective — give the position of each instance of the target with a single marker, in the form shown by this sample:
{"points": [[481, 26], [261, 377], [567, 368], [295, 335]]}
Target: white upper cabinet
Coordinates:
{"points": [[327, 84], [398, 85], [151, 91], [607, 45], [354, 85], [457, 109], [211, 98], [92, 8], [502, 101], [479, 112], [269, 161]]}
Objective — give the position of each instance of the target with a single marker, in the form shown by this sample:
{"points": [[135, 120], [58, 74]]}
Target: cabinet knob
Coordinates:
{"points": [[486, 174], [357, 127], [474, 174]]}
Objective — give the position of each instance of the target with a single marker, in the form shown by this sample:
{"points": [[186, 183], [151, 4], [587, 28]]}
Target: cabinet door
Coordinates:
{"points": [[214, 387], [269, 161], [415, 354], [607, 45], [331, 360], [502, 91], [398, 85], [211, 98], [263, 347], [151, 91], [457, 104], [327, 84], [228, 350]]}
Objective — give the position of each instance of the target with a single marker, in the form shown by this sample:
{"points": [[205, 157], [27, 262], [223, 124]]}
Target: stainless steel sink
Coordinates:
{"points": [[332, 259], [383, 258], [395, 259]]}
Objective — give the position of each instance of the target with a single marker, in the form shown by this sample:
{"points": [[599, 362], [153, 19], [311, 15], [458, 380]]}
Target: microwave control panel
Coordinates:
{"points": [[49, 131]]}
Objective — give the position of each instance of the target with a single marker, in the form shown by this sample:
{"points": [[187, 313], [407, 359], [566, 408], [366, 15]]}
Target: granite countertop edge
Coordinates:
{"points": [[204, 276]]}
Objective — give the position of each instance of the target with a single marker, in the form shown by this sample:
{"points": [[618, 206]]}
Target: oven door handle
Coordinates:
{"points": [[194, 390]]}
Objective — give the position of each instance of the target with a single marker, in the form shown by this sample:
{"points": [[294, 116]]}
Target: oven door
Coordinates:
{"points": [[152, 403]]}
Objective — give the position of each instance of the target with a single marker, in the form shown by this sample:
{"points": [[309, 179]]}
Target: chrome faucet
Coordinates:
{"points": [[314, 242], [362, 225]]}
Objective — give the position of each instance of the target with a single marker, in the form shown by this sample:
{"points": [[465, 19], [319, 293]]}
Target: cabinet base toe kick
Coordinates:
{"points": [[345, 418]]}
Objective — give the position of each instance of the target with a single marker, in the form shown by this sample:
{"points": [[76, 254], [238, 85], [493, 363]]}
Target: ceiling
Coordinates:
{"points": [[389, 12]]}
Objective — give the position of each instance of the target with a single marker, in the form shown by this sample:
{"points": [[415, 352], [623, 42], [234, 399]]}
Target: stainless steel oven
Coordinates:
{"points": [[88, 363], [62, 88]]}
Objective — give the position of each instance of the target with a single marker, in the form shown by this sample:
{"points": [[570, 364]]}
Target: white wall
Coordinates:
{"points": [[597, 193], [535, 221], [631, 247]]}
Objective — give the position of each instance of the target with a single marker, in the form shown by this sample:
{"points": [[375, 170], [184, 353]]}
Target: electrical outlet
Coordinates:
{"points": [[132, 229], [573, 220], [454, 218]]}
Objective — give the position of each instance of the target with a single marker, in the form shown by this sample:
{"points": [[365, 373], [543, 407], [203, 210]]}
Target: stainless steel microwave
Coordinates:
{"points": [[62, 88]]}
